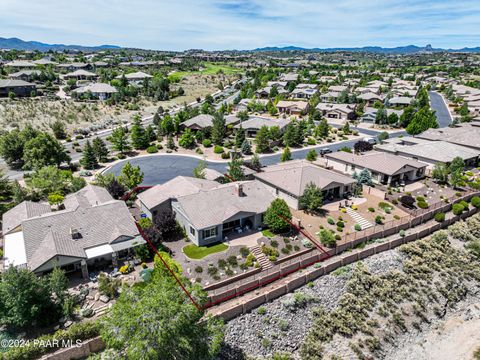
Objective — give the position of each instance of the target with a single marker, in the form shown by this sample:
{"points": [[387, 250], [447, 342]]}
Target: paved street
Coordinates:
{"points": [[441, 110], [160, 169]]}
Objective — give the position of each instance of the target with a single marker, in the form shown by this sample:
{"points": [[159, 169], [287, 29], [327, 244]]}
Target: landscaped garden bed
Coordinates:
{"points": [[279, 247]]}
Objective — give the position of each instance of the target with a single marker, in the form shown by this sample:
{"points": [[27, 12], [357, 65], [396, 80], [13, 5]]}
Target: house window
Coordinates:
{"points": [[231, 225], [192, 231], [353, 167], [209, 233]]}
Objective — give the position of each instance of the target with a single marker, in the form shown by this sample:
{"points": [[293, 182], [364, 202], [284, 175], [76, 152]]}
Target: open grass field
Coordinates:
{"points": [[208, 69]]}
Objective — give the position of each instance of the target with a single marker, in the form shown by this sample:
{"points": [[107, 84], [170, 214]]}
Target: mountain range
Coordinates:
{"points": [[409, 49], [18, 44]]}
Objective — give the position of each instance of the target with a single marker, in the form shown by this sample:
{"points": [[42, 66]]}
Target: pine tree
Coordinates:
{"points": [[119, 140], [262, 140], [100, 149], [246, 147], [138, 135], [88, 161], [235, 169], [311, 155], [286, 155], [239, 137], [218, 128], [255, 163]]}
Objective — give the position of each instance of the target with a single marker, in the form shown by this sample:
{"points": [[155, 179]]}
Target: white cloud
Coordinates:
{"points": [[243, 24]]}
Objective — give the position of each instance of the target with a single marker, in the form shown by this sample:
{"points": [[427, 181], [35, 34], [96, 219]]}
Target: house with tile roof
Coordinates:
{"points": [[288, 181], [384, 167], [93, 229]]}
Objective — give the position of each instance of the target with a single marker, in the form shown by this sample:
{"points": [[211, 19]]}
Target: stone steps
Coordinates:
{"points": [[260, 256], [359, 219]]}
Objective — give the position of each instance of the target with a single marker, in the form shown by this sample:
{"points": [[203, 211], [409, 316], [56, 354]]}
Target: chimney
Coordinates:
{"points": [[239, 188], [75, 234]]}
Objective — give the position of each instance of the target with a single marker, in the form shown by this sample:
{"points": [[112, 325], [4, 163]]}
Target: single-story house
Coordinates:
{"points": [[278, 84], [400, 101], [384, 167], [204, 121], [337, 88], [75, 66], [25, 75], [93, 229], [265, 92], [330, 96], [464, 134], [17, 87], [101, 91], [336, 111], [212, 215], [20, 64], [135, 77], [370, 114], [288, 181], [254, 123], [292, 107], [370, 98], [243, 105], [303, 93], [429, 152], [290, 77], [80, 75], [158, 198]]}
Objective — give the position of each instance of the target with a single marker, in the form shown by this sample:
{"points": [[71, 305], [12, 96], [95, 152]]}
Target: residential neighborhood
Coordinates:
{"points": [[228, 194]]}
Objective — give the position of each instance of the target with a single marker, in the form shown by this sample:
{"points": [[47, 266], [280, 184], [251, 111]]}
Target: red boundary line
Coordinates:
{"points": [[145, 237]]}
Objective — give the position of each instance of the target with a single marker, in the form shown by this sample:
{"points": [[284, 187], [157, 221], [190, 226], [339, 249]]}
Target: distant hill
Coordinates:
{"points": [[409, 49], [18, 44]]}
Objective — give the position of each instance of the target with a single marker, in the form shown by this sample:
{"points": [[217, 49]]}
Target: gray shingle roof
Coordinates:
{"points": [[212, 207], [14, 83], [294, 176], [257, 122], [25, 210], [177, 187], [377, 161]]}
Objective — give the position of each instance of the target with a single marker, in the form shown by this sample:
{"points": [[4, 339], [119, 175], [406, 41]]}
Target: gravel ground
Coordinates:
{"points": [[275, 327]]}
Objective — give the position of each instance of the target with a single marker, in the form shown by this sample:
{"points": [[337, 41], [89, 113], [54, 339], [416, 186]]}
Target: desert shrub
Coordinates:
{"points": [[244, 251], [274, 243], [422, 205], [327, 238], [358, 227], [225, 156], [340, 224], [331, 221], [232, 261], [420, 199], [371, 209], [440, 217], [464, 204], [218, 149], [401, 233], [207, 143], [261, 310], [198, 269], [475, 201], [457, 209], [378, 219], [152, 149], [461, 231]]}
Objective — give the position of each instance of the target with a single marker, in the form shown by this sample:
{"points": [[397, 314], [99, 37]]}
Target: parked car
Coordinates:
{"points": [[324, 151]]}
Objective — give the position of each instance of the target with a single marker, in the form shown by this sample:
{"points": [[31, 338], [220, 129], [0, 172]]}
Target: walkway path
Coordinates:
{"points": [[359, 219]]}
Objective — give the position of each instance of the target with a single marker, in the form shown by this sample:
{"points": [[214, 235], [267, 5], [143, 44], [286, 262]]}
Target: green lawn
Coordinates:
{"points": [[198, 252], [208, 69], [267, 233]]}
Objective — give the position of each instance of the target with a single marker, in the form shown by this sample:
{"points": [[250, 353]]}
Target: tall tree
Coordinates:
{"points": [[275, 214], [239, 137], [156, 321], [100, 149], [312, 198], [119, 140], [139, 138], [218, 128], [43, 150], [88, 161], [255, 163], [311, 155], [423, 120], [262, 140], [246, 147], [131, 176], [235, 170]]}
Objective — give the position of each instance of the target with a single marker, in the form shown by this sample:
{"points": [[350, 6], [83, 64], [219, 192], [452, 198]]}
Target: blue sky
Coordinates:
{"points": [[247, 24]]}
